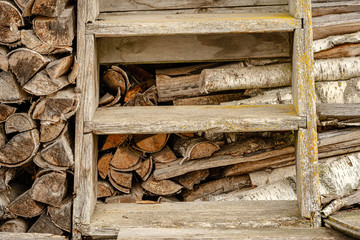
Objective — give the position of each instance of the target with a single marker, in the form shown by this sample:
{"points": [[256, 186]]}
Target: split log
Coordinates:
{"points": [[104, 165], [162, 187], [25, 6], [335, 24], [59, 67], [3, 139], [150, 143], [14, 225], [282, 190], [114, 140], [56, 107], [24, 206], [106, 99], [165, 155], [124, 179], [118, 187], [42, 84], [64, 32], [42, 163], [10, 91], [6, 111], [170, 89], [44, 224], [74, 72], [338, 111], [146, 169], [194, 148], [147, 98], [10, 21], [326, 8], [19, 122], [31, 41], [7, 175], [4, 62], [125, 158], [20, 149], [49, 188], [220, 186], [337, 204], [9, 37], [209, 100], [61, 215], [104, 189], [7, 196], [134, 196], [48, 8], [115, 78], [190, 179], [332, 41], [345, 50], [59, 152], [49, 132], [25, 63]]}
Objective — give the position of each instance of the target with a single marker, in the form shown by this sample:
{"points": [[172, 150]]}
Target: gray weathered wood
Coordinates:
{"points": [[338, 111], [325, 8], [152, 49], [149, 25], [30, 236], [149, 120], [346, 222]]}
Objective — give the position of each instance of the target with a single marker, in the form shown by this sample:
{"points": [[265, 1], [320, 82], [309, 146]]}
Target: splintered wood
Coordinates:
{"points": [[37, 99]]}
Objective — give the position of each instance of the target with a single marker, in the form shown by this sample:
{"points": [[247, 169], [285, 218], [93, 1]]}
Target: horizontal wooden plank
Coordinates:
{"points": [[141, 233], [347, 222], [148, 5], [338, 111], [193, 48], [325, 8], [179, 119], [117, 25], [30, 236], [108, 219]]}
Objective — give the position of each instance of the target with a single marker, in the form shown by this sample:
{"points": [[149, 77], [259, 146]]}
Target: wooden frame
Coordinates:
{"points": [[89, 122]]}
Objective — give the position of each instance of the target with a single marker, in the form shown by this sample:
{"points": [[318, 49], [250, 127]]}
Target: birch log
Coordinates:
{"points": [[276, 75], [332, 41]]}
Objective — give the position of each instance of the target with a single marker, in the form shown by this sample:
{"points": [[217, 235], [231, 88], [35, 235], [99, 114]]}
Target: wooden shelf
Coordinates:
{"points": [[121, 25], [178, 119]]}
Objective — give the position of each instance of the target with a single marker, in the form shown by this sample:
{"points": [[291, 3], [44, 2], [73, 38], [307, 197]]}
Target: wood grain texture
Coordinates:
{"points": [[338, 111], [143, 5], [150, 25], [346, 222], [30, 236], [147, 120], [189, 48], [326, 8]]}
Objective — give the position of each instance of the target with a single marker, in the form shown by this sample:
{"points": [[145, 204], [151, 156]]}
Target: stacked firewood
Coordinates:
{"points": [[238, 166], [37, 100]]}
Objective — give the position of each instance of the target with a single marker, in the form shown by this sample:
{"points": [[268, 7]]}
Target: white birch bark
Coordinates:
{"points": [[332, 41], [265, 177]]}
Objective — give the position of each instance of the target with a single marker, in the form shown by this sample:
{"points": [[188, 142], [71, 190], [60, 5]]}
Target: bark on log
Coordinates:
{"points": [[123, 179], [7, 175], [104, 165], [162, 187], [345, 50], [19, 122], [337, 204], [190, 179], [58, 31], [25, 6], [25, 63], [150, 143], [31, 41], [24, 206], [44, 224], [15, 226], [104, 189], [42, 163], [20, 149], [50, 188], [148, 98], [3, 139], [10, 91], [115, 78], [338, 111], [61, 215], [220, 186], [166, 155], [8, 196], [125, 158], [270, 176], [56, 107], [42, 84], [146, 169], [6, 111], [49, 132], [48, 8], [332, 41], [4, 62], [114, 140]]}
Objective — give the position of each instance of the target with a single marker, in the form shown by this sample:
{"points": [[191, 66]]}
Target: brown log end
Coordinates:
{"points": [[150, 143], [61, 215], [44, 224], [104, 165], [114, 140], [19, 122], [24, 206], [162, 187], [125, 158]]}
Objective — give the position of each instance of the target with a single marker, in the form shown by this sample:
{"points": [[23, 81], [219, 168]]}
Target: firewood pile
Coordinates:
{"points": [[208, 166], [37, 101]]}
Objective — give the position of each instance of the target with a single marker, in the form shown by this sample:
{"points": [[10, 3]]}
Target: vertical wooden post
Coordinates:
{"points": [[305, 104], [85, 177]]}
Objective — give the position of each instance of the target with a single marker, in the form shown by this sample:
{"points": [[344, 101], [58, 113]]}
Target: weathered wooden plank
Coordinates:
{"points": [[338, 111], [325, 8], [153, 49], [345, 50], [347, 222], [145, 5], [176, 119], [30, 236], [151, 25], [205, 215]]}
